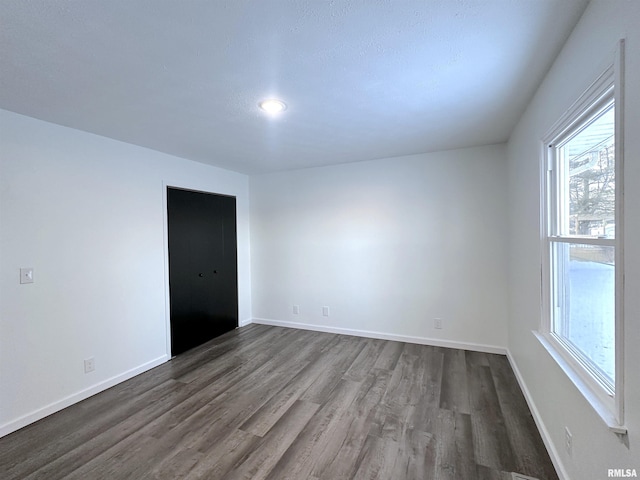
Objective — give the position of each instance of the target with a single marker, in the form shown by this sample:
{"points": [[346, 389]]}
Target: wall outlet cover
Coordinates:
{"points": [[89, 365], [568, 441]]}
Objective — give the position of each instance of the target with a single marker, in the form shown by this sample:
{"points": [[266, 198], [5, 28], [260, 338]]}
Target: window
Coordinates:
{"points": [[582, 245]]}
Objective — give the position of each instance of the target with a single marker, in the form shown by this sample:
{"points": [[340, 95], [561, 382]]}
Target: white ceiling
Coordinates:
{"points": [[363, 79]]}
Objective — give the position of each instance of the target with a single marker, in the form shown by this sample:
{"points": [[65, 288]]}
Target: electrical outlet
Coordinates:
{"points": [[296, 309], [568, 441], [325, 311], [437, 323], [89, 365]]}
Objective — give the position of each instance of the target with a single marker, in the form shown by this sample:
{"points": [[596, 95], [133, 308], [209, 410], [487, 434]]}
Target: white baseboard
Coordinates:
{"points": [[477, 347], [544, 433], [245, 322], [54, 407]]}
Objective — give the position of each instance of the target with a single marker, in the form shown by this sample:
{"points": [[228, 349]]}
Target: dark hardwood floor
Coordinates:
{"points": [[272, 403]]}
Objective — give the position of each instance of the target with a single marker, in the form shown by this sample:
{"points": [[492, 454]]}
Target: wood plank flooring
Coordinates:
{"points": [[272, 403]]}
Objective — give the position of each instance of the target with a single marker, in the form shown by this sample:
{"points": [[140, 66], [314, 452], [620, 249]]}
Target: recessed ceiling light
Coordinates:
{"points": [[273, 105]]}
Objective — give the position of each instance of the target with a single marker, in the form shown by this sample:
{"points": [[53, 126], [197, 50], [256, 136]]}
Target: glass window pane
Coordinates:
{"points": [[588, 204], [584, 313]]}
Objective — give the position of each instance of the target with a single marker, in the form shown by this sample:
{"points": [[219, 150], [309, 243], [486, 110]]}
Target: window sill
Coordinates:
{"points": [[601, 409]]}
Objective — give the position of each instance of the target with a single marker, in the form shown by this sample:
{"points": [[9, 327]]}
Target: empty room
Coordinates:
{"points": [[313, 239]]}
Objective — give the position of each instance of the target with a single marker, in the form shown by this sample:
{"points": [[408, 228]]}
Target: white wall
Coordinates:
{"points": [[87, 214], [588, 50], [388, 245]]}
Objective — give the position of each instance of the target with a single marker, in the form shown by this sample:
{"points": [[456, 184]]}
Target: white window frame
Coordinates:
{"points": [[607, 402]]}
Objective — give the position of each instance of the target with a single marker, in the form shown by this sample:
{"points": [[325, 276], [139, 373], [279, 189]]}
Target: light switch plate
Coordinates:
{"points": [[26, 275]]}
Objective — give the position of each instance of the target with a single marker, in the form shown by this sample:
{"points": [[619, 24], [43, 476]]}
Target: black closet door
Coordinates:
{"points": [[203, 273]]}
